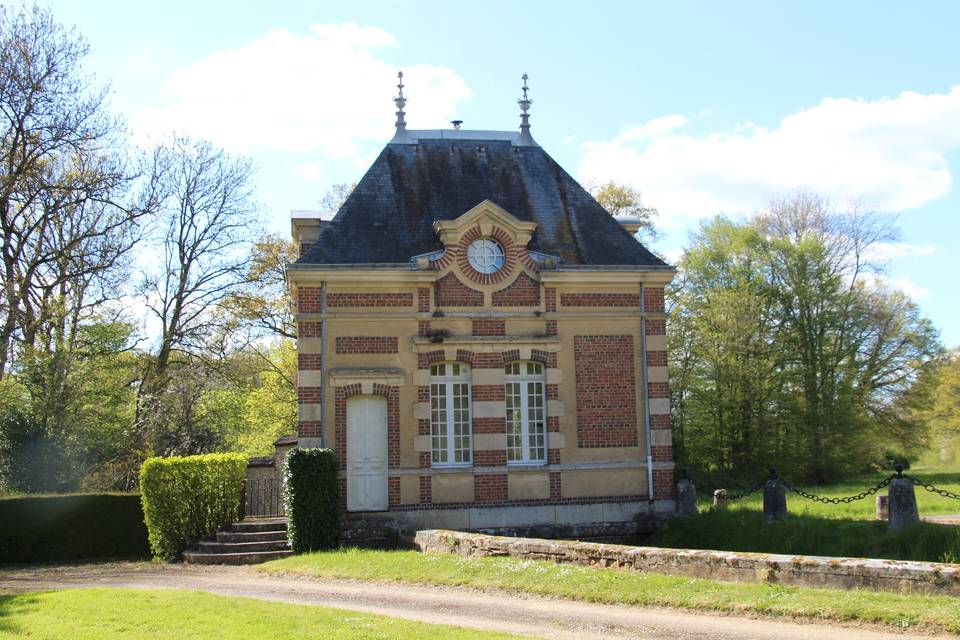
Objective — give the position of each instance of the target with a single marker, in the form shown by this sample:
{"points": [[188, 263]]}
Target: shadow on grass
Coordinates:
{"points": [[744, 530], [10, 605]]}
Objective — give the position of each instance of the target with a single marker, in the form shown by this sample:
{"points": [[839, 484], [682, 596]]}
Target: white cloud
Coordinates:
{"points": [[906, 285], [325, 91], [889, 154], [887, 251]]}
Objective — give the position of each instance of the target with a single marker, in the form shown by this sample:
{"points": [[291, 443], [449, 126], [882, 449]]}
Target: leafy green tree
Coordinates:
{"points": [[624, 200], [786, 350]]}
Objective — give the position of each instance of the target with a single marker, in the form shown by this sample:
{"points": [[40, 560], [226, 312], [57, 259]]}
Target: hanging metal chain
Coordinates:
{"points": [[731, 497], [932, 489], [844, 500]]}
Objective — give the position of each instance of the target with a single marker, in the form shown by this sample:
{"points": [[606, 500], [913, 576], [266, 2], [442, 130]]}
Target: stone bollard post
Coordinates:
{"points": [[774, 499], [686, 497], [901, 503], [720, 499], [882, 507]]}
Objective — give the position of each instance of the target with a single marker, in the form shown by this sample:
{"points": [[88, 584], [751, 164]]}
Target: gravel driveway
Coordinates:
{"points": [[496, 611]]}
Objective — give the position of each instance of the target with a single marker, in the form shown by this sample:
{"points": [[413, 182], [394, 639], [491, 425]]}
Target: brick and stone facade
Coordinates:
{"points": [[378, 329], [588, 334]]}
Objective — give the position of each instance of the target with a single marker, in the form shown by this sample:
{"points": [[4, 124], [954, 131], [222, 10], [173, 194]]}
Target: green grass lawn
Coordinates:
{"points": [[627, 587], [135, 614], [814, 528]]}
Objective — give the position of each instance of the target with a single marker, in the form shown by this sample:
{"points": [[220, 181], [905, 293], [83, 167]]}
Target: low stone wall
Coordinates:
{"points": [[808, 571]]}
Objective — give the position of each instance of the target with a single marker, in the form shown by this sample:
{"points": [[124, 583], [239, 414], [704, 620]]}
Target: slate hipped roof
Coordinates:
{"points": [[388, 219]]}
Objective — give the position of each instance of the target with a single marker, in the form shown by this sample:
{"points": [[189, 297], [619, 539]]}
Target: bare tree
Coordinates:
{"points": [[336, 195], [205, 232], [67, 218]]}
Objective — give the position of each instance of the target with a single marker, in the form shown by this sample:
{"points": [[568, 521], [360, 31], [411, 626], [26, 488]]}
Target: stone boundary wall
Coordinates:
{"points": [[807, 571]]}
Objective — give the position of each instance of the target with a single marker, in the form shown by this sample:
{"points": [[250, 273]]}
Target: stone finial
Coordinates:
{"points": [[401, 102], [525, 138]]}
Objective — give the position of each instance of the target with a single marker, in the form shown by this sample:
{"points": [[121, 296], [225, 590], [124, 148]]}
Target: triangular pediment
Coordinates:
{"points": [[487, 215]]}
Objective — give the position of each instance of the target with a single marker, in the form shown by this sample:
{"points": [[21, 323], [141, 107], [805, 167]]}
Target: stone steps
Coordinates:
{"points": [[245, 542], [249, 557], [253, 536], [259, 525], [242, 547], [261, 539]]}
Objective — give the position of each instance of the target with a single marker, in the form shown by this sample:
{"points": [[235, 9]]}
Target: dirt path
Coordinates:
{"points": [[527, 615]]}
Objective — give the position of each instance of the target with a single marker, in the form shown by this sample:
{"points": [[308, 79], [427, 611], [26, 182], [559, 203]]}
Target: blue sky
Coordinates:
{"points": [[706, 107]]}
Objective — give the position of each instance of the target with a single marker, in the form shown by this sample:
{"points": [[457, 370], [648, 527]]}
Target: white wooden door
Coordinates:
{"points": [[367, 453]]}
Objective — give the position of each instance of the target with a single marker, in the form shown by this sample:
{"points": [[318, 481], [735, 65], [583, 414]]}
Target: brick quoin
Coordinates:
{"points": [[369, 299], [658, 390], [554, 485], [366, 344], [423, 460], [662, 484], [393, 492], [423, 299], [549, 299], [426, 489], [523, 292], [656, 327], [553, 423], [308, 329], [308, 429], [653, 300], [600, 299], [553, 392], [309, 395], [423, 393], [423, 328], [662, 454], [309, 299], [489, 327], [450, 292], [606, 391], [660, 421], [490, 487], [656, 358], [550, 328], [308, 361]]}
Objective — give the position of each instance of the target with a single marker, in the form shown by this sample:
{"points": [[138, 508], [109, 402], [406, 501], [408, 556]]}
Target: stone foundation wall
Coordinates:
{"points": [[809, 571]]}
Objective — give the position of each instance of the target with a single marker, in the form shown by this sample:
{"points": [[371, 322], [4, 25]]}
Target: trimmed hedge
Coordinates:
{"points": [[72, 527], [311, 494], [187, 498]]}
